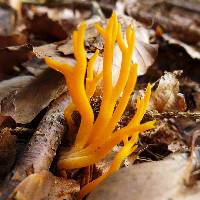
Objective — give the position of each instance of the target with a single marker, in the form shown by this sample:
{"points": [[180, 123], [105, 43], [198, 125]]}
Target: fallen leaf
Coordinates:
{"points": [[6, 121], [182, 22], [189, 49], [14, 84], [7, 20], [174, 130], [159, 180], [35, 66], [191, 91], [50, 50], [11, 59], [166, 96], [144, 54], [43, 28], [7, 151], [17, 6], [178, 59], [25, 104], [45, 186], [12, 40]]}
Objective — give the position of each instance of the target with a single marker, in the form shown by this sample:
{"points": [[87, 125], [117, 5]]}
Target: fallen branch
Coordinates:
{"points": [[42, 147]]}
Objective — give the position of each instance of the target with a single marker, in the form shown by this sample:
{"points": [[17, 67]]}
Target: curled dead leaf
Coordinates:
{"points": [[166, 96]]}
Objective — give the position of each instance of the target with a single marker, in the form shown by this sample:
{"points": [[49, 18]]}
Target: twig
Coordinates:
{"points": [[191, 115]]}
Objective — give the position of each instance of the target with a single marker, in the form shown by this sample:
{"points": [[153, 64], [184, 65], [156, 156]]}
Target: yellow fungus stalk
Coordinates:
{"points": [[95, 139]]}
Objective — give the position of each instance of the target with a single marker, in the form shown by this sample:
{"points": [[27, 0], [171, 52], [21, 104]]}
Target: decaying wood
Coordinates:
{"points": [[42, 147]]}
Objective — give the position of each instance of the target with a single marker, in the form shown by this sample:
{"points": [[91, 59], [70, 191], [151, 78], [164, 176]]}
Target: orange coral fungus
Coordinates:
{"points": [[95, 139]]}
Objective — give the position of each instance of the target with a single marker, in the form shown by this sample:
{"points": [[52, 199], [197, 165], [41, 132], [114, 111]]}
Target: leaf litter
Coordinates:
{"points": [[33, 97]]}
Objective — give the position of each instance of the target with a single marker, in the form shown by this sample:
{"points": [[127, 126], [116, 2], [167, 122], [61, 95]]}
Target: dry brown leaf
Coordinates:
{"points": [[24, 105], [47, 50], [166, 96], [11, 59], [43, 28], [173, 57], [14, 84], [16, 5], [7, 20], [45, 186], [35, 66], [192, 93], [181, 20], [174, 130], [12, 40], [6, 121], [159, 180], [7, 151], [55, 13], [144, 54], [197, 100], [189, 49]]}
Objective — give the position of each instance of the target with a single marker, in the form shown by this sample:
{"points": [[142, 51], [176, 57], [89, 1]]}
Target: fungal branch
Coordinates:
{"points": [[95, 139]]}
